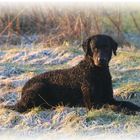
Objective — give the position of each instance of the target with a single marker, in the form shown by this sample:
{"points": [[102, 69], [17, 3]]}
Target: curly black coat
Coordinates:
{"points": [[86, 84]]}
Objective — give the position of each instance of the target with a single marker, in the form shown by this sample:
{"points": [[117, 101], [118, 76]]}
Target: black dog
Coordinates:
{"points": [[87, 84]]}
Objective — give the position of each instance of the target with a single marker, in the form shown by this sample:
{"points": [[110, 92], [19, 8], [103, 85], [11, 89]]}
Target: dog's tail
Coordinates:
{"points": [[15, 107]]}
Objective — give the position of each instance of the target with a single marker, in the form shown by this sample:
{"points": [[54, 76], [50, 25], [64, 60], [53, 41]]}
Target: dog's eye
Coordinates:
{"points": [[95, 49]]}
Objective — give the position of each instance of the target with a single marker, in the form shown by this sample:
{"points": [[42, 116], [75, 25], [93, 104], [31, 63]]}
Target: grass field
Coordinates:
{"points": [[18, 64]]}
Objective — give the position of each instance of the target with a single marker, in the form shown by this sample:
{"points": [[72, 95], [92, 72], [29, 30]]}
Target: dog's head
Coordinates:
{"points": [[100, 48]]}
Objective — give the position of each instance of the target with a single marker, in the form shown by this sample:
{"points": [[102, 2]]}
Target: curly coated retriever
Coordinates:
{"points": [[87, 84]]}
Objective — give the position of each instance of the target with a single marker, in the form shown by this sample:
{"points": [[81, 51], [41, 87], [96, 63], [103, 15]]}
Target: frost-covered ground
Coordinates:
{"points": [[18, 64]]}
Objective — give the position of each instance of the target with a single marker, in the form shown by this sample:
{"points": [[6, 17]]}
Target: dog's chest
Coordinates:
{"points": [[99, 79]]}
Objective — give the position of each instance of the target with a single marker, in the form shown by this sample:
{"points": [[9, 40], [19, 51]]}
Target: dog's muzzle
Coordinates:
{"points": [[102, 63]]}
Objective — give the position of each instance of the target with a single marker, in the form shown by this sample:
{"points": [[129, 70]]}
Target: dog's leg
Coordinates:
{"points": [[125, 105], [30, 98], [86, 95]]}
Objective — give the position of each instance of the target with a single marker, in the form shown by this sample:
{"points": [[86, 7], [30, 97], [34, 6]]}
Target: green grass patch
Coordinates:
{"points": [[126, 89], [126, 57]]}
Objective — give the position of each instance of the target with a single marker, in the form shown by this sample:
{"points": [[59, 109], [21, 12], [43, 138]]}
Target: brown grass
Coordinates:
{"points": [[57, 25]]}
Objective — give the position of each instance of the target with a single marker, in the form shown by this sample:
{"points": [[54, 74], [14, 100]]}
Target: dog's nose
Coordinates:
{"points": [[102, 61]]}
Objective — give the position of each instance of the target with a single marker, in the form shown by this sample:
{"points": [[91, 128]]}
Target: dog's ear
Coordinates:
{"points": [[114, 47], [86, 47]]}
